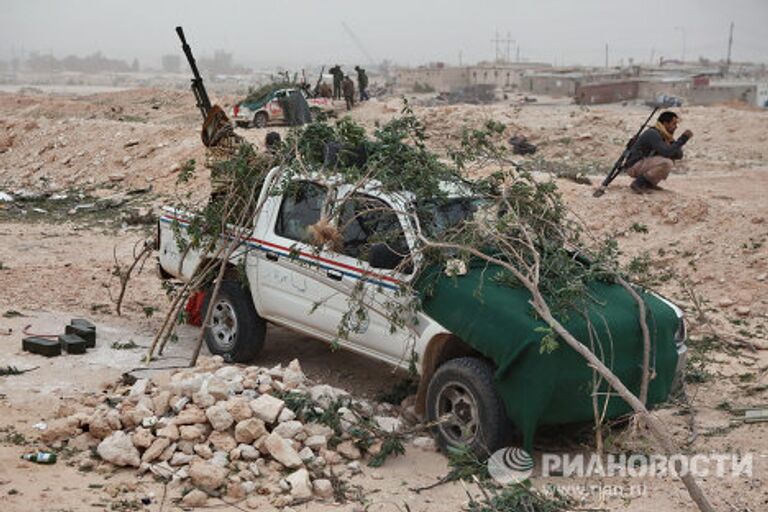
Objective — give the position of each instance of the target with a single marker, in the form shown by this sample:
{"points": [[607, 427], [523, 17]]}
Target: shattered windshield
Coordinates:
{"points": [[438, 217]]}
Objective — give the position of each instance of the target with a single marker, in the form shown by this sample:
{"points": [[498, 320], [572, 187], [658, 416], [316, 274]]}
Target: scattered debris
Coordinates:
{"points": [[756, 414], [128, 345], [26, 331], [42, 346], [472, 94], [40, 457], [521, 146], [576, 172], [72, 343], [79, 335], [84, 329], [139, 218], [12, 370]]}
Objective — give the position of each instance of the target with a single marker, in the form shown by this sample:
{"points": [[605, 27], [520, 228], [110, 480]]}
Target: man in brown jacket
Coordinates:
{"points": [[651, 157], [348, 88]]}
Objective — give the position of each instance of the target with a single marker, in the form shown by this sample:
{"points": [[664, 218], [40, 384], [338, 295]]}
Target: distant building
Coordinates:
{"points": [[552, 84], [725, 92], [701, 80], [650, 88], [696, 84], [606, 92], [437, 77], [442, 78], [565, 83]]}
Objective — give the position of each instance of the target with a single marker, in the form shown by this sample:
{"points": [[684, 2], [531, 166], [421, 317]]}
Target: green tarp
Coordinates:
{"points": [[552, 388]]}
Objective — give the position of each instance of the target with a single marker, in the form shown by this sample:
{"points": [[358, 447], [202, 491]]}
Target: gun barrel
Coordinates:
{"points": [[201, 95], [180, 32]]}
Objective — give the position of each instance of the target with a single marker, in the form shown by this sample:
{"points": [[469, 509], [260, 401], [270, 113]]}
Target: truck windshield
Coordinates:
{"points": [[438, 217]]}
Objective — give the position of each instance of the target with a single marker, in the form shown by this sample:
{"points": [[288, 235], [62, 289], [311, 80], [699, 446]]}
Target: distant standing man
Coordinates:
{"points": [[362, 83], [651, 157], [338, 77], [348, 87]]}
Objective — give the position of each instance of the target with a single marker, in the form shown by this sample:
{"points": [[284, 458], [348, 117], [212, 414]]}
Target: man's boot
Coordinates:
{"points": [[640, 185]]}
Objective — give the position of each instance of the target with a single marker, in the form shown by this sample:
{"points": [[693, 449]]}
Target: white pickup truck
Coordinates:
{"points": [[293, 283], [267, 109]]}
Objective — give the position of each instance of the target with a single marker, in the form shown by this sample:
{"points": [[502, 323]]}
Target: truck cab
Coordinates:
{"points": [[344, 289]]}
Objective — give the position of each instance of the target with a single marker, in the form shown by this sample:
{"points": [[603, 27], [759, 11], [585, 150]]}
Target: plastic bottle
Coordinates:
{"points": [[40, 457]]}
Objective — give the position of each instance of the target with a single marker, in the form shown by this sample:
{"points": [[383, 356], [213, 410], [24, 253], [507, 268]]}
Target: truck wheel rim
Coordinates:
{"points": [[457, 405], [224, 325]]}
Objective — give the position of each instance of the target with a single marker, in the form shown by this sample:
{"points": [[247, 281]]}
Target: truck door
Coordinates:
{"points": [[288, 266], [274, 108], [366, 221]]}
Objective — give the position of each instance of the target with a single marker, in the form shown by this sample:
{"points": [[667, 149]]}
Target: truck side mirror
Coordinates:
{"points": [[382, 256]]}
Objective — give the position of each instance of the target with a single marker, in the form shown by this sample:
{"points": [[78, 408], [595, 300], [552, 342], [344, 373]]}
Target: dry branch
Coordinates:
{"points": [[646, 375], [125, 276]]}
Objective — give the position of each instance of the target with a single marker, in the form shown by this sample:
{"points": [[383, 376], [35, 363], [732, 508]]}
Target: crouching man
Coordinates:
{"points": [[651, 157]]}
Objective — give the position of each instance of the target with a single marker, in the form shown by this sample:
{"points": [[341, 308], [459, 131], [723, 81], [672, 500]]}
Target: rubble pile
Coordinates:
{"points": [[222, 430]]}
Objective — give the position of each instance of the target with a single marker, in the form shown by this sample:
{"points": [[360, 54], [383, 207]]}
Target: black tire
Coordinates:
{"points": [[236, 331], [465, 387], [260, 120]]}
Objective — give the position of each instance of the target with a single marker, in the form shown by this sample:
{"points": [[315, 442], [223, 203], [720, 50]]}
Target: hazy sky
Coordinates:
{"points": [[299, 32]]}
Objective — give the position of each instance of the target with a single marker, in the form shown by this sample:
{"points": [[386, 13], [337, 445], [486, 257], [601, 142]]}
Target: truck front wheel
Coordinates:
{"points": [[462, 394], [260, 120], [235, 331]]}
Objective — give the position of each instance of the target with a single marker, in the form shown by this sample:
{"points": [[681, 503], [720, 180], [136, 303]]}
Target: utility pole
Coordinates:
{"points": [[682, 31], [500, 55], [496, 41], [459, 58], [730, 46], [517, 58], [653, 54], [606, 55]]}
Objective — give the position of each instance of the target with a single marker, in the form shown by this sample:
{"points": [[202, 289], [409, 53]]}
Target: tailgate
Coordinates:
{"points": [[170, 255]]}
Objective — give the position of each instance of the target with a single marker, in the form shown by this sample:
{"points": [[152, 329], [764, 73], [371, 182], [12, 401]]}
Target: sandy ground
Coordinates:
{"points": [[710, 226]]}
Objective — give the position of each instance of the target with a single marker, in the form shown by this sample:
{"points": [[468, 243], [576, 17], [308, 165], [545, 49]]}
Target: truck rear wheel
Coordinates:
{"points": [[260, 120], [235, 331], [462, 391]]}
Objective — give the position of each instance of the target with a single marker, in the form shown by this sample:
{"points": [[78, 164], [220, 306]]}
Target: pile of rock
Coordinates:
{"points": [[227, 430]]}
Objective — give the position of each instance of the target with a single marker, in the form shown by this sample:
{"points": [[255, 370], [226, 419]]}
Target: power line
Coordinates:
{"points": [[730, 46]]}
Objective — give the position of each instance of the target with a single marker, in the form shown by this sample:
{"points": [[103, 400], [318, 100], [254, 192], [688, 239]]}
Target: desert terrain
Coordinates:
{"points": [[85, 173]]}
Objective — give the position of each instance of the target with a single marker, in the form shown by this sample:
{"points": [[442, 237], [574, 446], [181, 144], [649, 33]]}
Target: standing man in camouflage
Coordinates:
{"points": [[651, 157], [338, 77], [362, 83]]}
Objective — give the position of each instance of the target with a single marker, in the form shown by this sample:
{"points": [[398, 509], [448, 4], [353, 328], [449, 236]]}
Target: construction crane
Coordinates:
{"points": [[359, 44]]}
